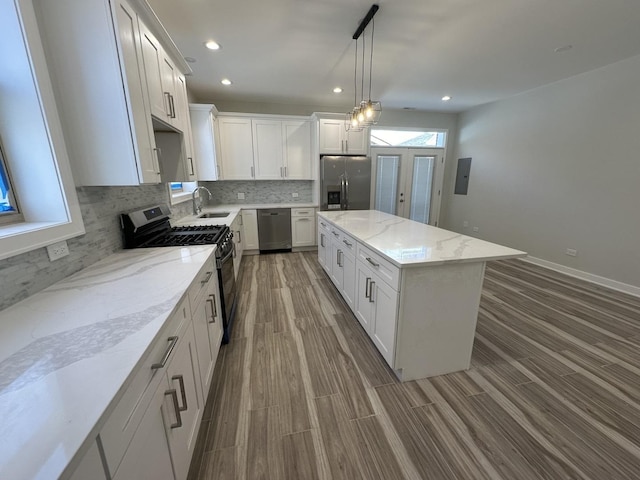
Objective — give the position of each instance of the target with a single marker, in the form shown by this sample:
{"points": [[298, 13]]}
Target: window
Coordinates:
{"points": [[181, 191], [9, 212], [407, 138], [34, 162]]}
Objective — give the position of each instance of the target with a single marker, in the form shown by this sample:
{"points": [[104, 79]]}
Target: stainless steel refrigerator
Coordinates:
{"points": [[345, 182]]}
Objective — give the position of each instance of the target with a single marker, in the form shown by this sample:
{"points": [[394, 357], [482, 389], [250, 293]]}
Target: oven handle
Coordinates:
{"points": [[222, 260]]}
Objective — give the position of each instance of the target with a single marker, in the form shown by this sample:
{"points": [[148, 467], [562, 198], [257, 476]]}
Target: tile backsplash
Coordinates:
{"points": [[30, 272], [260, 191]]}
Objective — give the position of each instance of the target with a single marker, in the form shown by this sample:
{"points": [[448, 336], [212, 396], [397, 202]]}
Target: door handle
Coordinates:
{"points": [[371, 292], [366, 288], [322, 240], [176, 407]]}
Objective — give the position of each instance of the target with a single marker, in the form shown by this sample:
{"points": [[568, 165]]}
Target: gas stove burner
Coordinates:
{"points": [[197, 228]]}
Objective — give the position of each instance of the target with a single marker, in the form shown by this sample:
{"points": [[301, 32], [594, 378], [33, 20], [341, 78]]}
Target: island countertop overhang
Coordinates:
{"points": [[407, 243]]}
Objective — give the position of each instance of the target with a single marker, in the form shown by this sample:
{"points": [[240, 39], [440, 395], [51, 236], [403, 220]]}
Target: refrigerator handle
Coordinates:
{"points": [[346, 192], [342, 193]]}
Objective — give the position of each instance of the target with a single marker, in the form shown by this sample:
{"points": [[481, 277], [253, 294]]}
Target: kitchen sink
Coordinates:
{"points": [[214, 215]]}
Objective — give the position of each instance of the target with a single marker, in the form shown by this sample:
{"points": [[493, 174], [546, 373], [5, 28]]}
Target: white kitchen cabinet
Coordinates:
{"points": [[303, 227], [90, 466], [268, 152], [203, 125], [183, 419], [297, 150], [376, 308], [182, 104], [342, 261], [336, 140], [324, 245], [102, 89], [169, 89], [152, 54], [236, 148], [148, 456], [250, 229], [204, 299]]}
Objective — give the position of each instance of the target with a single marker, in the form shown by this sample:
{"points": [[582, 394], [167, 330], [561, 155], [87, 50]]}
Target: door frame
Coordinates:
{"points": [[404, 152]]}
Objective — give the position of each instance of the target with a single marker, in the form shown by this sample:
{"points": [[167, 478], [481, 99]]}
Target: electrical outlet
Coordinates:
{"points": [[58, 250], [294, 194], [572, 252], [476, 229], [240, 196], [465, 224]]}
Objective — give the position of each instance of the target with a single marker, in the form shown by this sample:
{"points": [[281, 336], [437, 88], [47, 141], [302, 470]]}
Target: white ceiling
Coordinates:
{"points": [[477, 51]]}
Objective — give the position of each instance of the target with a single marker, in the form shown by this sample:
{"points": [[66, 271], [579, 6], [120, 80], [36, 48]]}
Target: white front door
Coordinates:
{"points": [[408, 182]]}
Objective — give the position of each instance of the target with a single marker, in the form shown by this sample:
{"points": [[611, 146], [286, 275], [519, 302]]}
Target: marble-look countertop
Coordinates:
{"points": [[67, 352], [233, 210], [407, 243]]}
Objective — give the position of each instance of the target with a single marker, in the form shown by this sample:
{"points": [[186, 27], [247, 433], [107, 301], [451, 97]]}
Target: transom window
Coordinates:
{"points": [[407, 138]]}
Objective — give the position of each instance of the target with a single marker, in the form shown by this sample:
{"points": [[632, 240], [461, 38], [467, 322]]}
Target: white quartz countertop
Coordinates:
{"points": [[233, 213], [407, 243], [66, 352]]}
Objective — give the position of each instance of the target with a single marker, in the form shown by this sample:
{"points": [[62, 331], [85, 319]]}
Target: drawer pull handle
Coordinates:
{"points": [[302, 213], [372, 262], [371, 292], [304, 219], [202, 282], [183, 392], [348, 244], [323, 224], [366, 288], [172, 344], [336, 234], [176, 407]]}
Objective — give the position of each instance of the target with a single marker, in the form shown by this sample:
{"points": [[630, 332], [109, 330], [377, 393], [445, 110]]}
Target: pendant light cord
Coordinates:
{"points": [[373, 29], [355, 76], [364, 48]]}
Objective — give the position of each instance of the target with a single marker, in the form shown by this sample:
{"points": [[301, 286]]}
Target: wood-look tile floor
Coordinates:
{"points": [[301, 392]]}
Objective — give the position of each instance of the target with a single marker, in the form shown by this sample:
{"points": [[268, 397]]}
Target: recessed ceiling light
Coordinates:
{"points": [[446, 98], [225, 81], [189, 59], [337, 90], [211, 45], [564, 48]]}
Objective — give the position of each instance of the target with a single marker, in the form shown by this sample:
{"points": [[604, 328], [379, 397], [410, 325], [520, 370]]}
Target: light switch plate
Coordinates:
{"points": [[294, 194], [58, 250]]}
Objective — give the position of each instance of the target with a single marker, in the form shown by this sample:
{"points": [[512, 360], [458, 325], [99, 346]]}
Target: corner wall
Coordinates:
{"points": [[555, 168]]}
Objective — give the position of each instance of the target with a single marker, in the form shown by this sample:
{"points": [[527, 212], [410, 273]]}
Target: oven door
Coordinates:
{"points": [[227, 283]]}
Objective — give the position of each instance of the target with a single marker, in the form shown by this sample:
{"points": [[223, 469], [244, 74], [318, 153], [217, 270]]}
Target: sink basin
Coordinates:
{"points": [[214, 215]]}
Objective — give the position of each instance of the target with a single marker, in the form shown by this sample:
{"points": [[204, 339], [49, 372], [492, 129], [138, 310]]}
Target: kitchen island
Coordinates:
{"points": [[414, 288]]}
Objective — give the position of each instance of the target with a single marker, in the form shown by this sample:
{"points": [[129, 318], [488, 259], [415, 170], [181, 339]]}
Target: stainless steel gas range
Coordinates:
{"points": [[150, 227]]}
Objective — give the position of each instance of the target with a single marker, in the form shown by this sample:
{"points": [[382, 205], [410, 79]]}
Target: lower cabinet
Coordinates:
{"points": [[90, 466], [236, 228], [148, 456], [376, 309], [303, 227], [250, 229]]}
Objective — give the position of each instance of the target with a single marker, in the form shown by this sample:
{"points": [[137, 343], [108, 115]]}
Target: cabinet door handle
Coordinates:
{"points": [[338, 258], [372, 262], [371, 291], [252, 174], [176, 407], [286, 173], [167, 97], [183, 392], [366, 288], [346, 142], [172, 344], [322, 240], [348, 244], [239, 236], [193, 172], [282, 172], [214, 309], [206, 280], [173, 106]]}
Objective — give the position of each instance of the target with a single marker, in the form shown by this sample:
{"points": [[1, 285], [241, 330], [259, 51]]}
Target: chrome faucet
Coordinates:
{"points": [[197, 207]]}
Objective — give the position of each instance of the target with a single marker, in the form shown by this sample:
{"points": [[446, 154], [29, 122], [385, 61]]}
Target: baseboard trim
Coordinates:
{"points": [[589, 277]]}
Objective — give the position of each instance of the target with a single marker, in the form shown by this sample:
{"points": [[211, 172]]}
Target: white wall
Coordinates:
{"points": [[558, 167]]}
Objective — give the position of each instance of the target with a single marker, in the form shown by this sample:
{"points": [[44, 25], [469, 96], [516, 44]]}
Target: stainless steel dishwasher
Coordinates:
{"points": [[274, 229]]}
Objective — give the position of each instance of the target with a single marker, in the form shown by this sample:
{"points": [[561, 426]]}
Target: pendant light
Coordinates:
{"points": [[365, 112]]}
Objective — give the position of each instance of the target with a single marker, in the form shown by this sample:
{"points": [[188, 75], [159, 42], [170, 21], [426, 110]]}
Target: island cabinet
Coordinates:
{"points": [[415, 289], [114, 92]]}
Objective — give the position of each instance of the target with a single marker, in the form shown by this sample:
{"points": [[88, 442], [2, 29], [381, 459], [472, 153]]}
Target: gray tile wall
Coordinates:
{"points": [[26, 274], [263, 191]]}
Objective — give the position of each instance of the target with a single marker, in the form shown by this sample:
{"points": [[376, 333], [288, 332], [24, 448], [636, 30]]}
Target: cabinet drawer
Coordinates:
{"points": [[348, 243], [125, 418], [303, 212], [388, 272], [323, 224], [200, 286]]}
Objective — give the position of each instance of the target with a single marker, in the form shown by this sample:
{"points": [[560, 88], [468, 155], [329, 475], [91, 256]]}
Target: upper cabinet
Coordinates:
{"points": [[114, 91], [336, 140], [203, 127], [265, 148]]}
